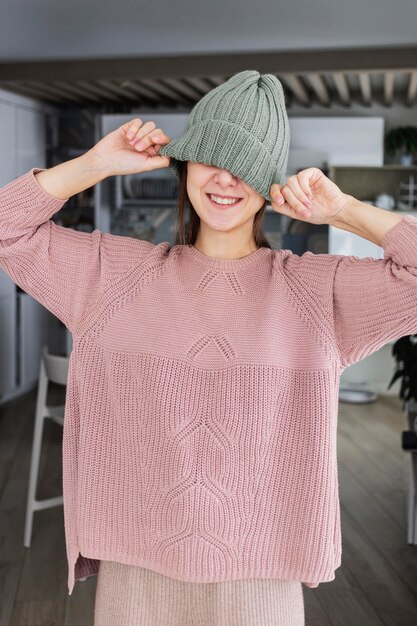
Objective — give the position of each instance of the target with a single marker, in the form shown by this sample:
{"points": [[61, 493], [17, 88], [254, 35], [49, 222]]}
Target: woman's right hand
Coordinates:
{"points": [[118, 151]]}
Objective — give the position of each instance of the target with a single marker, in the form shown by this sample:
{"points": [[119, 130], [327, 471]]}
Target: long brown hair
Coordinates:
{"points": [[187, 221]]}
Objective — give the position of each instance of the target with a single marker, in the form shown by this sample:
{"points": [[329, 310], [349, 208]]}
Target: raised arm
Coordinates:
{"points": [[64, 269], [358, 303], [71, 177], [375, 300]]}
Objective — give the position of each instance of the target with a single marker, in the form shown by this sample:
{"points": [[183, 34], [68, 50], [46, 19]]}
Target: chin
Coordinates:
{"points": [[221, 227]]}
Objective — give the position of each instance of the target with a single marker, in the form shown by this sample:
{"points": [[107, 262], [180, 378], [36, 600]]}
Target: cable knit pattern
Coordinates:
{"points": [[201, 411]]}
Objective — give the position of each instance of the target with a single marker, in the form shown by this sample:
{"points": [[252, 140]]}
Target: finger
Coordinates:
{"points": [[142, 132], [278, 198], [285, 209], [304, 179], [153, 150], [275, 191], [294, 202], [132, 127], [156, 162], [160, 137], [148, 139], [294, 184]]}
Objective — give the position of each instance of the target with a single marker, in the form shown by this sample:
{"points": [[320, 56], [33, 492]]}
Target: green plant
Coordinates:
{"points": [[404, 351], [401, 138]]}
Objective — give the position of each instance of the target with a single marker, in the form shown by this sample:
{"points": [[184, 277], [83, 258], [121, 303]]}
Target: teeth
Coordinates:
{"points": [[223, 200]]}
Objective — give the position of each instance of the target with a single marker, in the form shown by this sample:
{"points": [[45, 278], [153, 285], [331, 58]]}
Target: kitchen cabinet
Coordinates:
{"points": [[366, 183]]}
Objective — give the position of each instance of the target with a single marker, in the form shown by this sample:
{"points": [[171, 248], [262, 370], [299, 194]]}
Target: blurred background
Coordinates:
{"points": [[72, 72]]}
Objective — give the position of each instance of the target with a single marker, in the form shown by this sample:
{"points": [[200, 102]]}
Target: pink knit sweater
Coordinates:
{"points": [[202, 399]]}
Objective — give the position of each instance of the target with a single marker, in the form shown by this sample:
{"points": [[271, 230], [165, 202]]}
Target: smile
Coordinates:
{"points": [[219, 201]]}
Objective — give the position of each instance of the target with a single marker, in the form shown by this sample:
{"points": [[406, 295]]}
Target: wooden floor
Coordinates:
{"points": [[376, 584]]}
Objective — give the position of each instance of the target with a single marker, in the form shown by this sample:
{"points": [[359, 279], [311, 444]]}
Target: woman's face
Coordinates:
{"points": [[204, 180]]}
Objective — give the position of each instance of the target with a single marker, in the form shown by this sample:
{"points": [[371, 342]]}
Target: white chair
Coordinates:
{"points": [[53, 368]]}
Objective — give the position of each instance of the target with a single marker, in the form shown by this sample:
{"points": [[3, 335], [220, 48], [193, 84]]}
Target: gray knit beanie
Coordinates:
{"points": [[241, 126]]}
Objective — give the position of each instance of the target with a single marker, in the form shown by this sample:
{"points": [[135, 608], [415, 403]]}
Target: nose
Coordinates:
{"points": [[225, 177]]}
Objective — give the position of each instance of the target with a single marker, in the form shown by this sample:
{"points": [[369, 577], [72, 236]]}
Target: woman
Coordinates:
{"points": [[199, 450]]}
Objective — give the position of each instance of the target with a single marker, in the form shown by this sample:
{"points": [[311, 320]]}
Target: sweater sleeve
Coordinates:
{"points": [[356, 305], [375, 300], [63, 269]]}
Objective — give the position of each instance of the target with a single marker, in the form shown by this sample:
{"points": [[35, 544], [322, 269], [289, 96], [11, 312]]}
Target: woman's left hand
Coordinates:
{"points": [[327, 201]]}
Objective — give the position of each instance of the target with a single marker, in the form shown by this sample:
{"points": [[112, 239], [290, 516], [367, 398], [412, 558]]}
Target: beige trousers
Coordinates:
{"points": [[128, 595]]}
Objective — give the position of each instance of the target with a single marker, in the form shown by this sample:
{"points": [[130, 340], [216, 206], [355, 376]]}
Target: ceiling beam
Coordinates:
{"points": [[187, 91], [364, 59], [92, 89], [319, 86], [37, 92], [295, 84], [389, 78], [342, 88], [366, 88], [411, 89], [69, 91]]}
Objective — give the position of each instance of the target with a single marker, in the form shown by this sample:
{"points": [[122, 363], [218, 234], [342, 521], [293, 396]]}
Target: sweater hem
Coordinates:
{"points": [[88, 562]]}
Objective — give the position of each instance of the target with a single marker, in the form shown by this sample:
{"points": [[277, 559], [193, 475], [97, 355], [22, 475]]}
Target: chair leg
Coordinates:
{"points": [[33, 478], [412, 509]]}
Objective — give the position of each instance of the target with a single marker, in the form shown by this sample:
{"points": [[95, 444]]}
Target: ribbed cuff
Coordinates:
{"points": [[400, 242], [25, 203]]}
